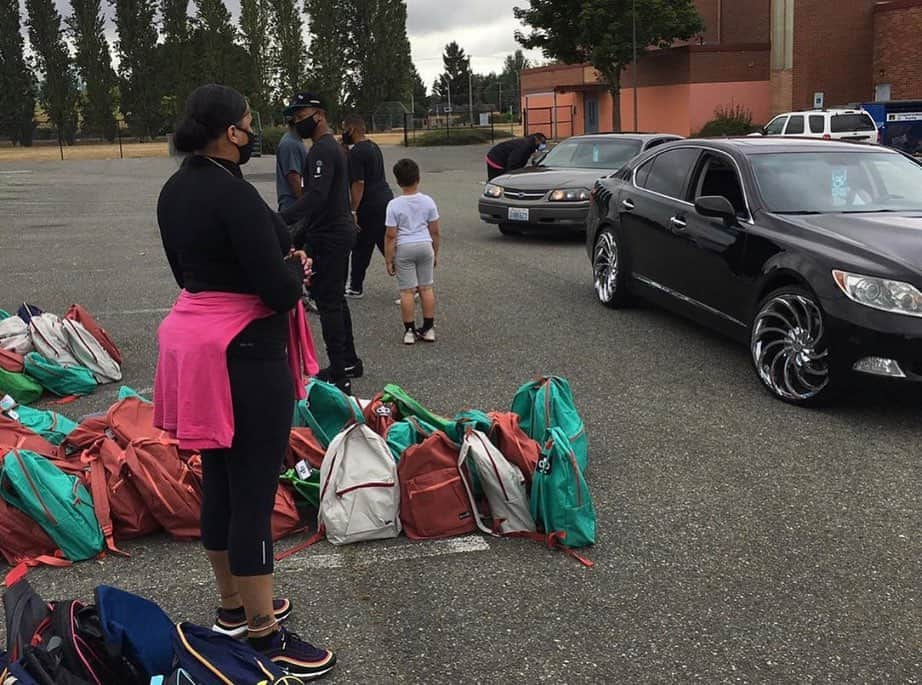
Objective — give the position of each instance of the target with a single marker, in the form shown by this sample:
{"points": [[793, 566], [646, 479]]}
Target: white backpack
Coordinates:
{"points": [[360, 493], [502, 482], [50, 341], [14, 336], [87, 350]]}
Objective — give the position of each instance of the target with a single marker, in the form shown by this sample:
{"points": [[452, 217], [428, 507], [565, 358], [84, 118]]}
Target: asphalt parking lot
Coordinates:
{"points": [[741, 540]]}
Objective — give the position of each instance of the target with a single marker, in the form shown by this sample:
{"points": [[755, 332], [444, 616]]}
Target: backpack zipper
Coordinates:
{"points": [[436, 486], [571, 455], [202, 660], [346, 491], [32, 485]]}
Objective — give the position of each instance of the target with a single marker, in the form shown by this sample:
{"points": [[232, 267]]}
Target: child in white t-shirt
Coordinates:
{"points": [[411, 250]]}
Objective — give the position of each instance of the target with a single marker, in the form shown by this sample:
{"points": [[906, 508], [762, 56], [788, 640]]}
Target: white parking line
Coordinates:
{"points": [[416, 550], [135, 312]]}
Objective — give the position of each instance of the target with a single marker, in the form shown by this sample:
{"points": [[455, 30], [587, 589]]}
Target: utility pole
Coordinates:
{"points": [[634, 70], [470, 90]]}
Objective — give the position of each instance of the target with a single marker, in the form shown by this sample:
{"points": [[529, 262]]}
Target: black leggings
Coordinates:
{"points": [[240, 482]]}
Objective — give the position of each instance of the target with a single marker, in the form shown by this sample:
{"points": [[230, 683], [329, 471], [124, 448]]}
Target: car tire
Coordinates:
{"points": [[506, 229], [788, 344], [609, 275]]}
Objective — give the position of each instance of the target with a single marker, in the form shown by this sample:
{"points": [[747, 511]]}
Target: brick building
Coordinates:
{"points": [[766, 55]]}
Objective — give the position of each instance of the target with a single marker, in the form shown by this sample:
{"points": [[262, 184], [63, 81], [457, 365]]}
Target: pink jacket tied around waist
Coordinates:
{"points": [[192, 393]]}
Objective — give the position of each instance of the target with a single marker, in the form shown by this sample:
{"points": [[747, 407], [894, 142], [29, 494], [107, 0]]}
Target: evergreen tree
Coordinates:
{"points": [[213, 38], [255, 20], [95, 67], [328, 42], [457, 65], [58, 92], [292, 54], [377, 53], [420, 94], [138, 66], [17, 84], [176, 55]]}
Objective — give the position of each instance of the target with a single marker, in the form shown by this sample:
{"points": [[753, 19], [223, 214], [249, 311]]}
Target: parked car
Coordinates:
{"points": [[807, 251], [554, 193], [829, 124]]}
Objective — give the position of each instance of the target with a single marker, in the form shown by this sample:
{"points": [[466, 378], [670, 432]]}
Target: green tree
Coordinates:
{"points": [[600, 32], [328, 40], [420, 94], [213, 37], [377, 53], [255, 20], [287, 28], [59, 87], [139, 87], [17, 84], [511, 80], [456, 66], [176, 56], [94, 63]]}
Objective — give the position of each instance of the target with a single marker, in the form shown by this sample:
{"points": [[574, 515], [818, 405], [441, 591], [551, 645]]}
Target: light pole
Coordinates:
{"points": [[470, 91], [634, 70]]}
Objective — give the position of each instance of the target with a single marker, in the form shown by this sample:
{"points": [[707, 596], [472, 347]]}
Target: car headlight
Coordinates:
{"points": [[569, 195], [880, 293], [493, 190]]}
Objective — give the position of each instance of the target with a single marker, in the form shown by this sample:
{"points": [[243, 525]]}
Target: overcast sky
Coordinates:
{"points": [[484, 28]]}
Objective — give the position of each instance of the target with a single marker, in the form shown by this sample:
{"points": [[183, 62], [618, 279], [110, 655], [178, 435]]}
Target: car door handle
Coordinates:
{"points": [[678, 223], [627, 204]]}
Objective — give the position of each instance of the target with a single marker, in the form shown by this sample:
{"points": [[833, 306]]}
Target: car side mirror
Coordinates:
{"points": [[716, 206]]}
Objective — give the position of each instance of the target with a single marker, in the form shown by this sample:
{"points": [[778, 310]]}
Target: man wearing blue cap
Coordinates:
{"points": [[325, 226]]}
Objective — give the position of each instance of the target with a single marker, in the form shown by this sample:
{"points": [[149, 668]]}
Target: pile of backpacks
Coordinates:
{"points": [[121, 639], [67, 356], [393, 466]]}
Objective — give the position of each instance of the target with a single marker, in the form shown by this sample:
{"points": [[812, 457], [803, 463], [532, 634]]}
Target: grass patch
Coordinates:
{"points": [[457, 136]]}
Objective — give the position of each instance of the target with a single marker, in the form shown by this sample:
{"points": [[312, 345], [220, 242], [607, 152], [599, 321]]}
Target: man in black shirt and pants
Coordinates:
{"points": [[326, 228], [513, 154], [370, 195]]}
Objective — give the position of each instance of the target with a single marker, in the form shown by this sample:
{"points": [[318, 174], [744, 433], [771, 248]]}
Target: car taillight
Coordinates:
{"points": [[826, 136]]}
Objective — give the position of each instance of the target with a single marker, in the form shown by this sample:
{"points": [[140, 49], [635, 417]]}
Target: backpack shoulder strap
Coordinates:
{"points": [[99, 491], [462, 458]]}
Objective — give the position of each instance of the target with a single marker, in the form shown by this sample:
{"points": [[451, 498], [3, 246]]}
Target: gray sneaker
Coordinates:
{"points": [[427, 335], [409, 338], [354, 294]]}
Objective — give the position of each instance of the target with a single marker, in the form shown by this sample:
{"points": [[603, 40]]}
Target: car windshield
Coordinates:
{"points": [[592, 154], [827, 182]]}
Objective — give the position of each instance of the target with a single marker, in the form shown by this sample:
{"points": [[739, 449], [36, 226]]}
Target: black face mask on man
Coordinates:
{"points": [[306, 127], [246, 150]]}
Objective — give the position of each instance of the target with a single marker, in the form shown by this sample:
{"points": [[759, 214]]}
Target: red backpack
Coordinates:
{"points": [[285, 517], [304, 446], [82, 316], [133, 419], [87, 432], [381, 415], [433, 500], [109, 480], [170, 486], [21, 538], [14, 435], [515, 444], [11, 361]]}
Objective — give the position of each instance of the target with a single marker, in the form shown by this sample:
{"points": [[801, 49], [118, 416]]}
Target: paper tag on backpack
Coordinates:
{"points": [[7, 403], [303, 470]]}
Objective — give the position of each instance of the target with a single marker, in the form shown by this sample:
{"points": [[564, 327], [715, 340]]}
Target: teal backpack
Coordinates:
{"points": [[60, 380], [4, 314], [327, 410], [19, 386], [470, 419], [548, 403], [125, 392], [407, 432], [560, 499], [58, 502], [407, 406], [50, 425]]}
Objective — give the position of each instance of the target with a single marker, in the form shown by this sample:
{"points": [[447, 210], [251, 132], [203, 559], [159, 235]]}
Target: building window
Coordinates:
{"points": [[882, 92], [782, 34]]}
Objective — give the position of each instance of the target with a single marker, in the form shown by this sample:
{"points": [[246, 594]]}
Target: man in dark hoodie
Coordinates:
{"points": [[513, 154]]}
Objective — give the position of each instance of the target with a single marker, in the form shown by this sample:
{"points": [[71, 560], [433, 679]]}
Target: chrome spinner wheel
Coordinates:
{"points": [[788, 347], [606, 266]]}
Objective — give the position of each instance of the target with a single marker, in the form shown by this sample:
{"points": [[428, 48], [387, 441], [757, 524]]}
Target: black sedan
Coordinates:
{"points": [[808, 251], [554, 193]]}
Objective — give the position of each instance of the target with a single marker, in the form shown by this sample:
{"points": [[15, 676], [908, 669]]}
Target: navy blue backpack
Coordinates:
{"points": [[136, 629], [210, 657]]}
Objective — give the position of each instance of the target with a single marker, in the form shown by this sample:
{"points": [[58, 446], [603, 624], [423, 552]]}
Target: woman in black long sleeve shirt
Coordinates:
{"points": [[220, 236]]}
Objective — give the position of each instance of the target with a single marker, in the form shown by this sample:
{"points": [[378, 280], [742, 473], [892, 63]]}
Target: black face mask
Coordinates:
{"points": [[306, 127], [348, 138], [246, 150]]}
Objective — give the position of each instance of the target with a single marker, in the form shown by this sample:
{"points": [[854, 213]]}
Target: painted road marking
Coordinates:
{"points": [[417, 550], [135, 312]]}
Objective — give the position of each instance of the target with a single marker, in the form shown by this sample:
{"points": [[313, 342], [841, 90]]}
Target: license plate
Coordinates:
{"points": [[518, 214]]}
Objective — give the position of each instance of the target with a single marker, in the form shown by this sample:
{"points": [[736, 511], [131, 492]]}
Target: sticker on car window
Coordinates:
{"points": [[595, 153], [839, 186]]}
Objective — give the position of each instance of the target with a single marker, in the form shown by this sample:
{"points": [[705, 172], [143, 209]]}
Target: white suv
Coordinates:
{"points": [[831, 124]]}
